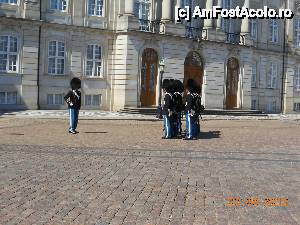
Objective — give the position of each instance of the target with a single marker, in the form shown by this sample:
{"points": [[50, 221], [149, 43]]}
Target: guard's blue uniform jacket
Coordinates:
{"points": [[73, 99], [192, 129], [178, 108], [167, 113]]}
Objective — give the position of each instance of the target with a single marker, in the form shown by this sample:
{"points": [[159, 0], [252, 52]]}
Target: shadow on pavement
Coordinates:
{"points": [[210, 135], [95, 132]]}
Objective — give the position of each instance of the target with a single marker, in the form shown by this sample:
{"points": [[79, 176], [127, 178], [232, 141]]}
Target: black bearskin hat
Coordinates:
{"points": [[75, 83], [179, 86], [166, 85], [191, 85], [173, 86]]}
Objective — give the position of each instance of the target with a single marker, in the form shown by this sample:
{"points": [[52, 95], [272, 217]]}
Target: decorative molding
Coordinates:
{"points": [[234, 51], [196, 46]]}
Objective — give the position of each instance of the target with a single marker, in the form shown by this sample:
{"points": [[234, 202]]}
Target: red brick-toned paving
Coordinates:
{"points": [[122, 172]]}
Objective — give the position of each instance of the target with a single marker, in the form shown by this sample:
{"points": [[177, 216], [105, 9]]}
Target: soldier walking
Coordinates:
{"points": [[73, 99]]}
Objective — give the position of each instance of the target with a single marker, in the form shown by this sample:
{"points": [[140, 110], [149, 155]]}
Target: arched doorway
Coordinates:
{"points": [[193, 69], [232, 83], [149, 77]]}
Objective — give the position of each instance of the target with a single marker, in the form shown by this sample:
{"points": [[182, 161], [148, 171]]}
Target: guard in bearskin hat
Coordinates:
{"points": [[178, 102], [73, 99], [190, 110], [167, 109]]}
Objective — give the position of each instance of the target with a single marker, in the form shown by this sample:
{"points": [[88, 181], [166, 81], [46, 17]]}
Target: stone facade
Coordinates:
{"points": [[267, 78]]}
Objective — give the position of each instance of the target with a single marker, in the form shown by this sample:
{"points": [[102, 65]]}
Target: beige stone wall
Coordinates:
{"points": [[24, 80], [76, 42]]}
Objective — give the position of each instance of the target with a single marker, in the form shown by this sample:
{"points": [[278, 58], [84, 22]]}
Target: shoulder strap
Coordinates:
{"points": [[169, 94], [75, 93]]}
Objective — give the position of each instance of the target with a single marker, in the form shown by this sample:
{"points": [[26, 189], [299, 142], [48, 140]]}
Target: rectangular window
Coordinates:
{"points": [[8, 98], [142, 11], [226, 23], [254, 75], [8, 53], [56, 58], [271, 107], [95, 7], [274, 31], [253, 104], [297, 32], [59, 5], [93, 100], [94, 61], [12, 2], [272, 76], [297, 78], [55, 99], [297, 106], [253, 28]]}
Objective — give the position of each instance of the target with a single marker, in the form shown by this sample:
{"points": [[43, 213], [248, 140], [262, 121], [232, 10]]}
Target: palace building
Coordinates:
{"points": [[116, 46]]}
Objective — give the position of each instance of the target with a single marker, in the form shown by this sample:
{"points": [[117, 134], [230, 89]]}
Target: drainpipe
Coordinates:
{"points": [[38, 69], [283, 65], [39, 57]]}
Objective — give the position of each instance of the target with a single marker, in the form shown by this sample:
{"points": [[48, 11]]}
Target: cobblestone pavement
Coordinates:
{"points": [[123, 173]]}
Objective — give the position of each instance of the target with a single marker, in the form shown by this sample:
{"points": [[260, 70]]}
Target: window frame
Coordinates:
{"points": [[56, 9], [8, 3], [253, 28], [8, 53], [56, 57], [297, 32], [146, 6], [297, 78], [144, 20], [53, 96], [94, 61], [271, 106], [274, 31], [95, 15], [226, 22], [6, 97], [296, 106], [254, 104], [254, 78], [92, 100], [272, 76]]}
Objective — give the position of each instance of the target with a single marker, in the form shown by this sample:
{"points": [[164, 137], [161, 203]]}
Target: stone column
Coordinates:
{"points": [[129, 7], [208, 23], [245, 21], [166, 10], [219, 20]]}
